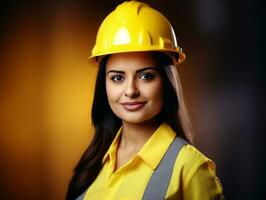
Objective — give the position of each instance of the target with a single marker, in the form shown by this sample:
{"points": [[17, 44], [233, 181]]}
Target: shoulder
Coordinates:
{"points": [[189, 157], [194, 175], [189, 161]]}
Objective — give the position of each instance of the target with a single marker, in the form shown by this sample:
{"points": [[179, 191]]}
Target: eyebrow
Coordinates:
{"points": [[138, 71]]}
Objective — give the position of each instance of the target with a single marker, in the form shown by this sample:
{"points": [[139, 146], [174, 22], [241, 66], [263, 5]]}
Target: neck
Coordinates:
{"points": [[134, 136]]}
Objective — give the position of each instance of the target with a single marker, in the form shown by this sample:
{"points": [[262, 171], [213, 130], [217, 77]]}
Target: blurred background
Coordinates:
{"points": [[47, 87]]}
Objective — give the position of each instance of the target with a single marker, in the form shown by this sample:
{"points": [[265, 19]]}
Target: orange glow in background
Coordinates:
{"points": [[47, 88]]}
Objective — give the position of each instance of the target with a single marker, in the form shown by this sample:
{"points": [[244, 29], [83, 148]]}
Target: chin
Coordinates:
{"points": [[136, 119]]}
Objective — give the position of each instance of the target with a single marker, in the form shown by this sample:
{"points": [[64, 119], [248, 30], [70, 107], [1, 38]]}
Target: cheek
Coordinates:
{"points": [[154, 91], [113, 92]]}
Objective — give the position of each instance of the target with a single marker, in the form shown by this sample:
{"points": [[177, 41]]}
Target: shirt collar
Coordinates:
{"points": [[153, 150], [111, 152]]}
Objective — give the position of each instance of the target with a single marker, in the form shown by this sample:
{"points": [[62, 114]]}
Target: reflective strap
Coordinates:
{"points": [[81, 197], [160, 179]]}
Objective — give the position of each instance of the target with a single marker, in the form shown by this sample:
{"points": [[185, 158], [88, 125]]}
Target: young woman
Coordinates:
{"points": [[140, 117]]}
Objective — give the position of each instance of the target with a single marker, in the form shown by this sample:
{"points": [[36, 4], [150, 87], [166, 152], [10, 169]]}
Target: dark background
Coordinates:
{"points": [[47, 86]]}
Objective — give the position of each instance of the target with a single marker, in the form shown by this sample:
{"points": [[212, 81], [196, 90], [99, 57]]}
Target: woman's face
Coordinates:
{"points": [[134, 86]]}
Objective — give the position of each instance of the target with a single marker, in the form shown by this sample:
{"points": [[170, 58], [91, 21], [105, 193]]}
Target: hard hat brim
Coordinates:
{"points": [[177, 55]]}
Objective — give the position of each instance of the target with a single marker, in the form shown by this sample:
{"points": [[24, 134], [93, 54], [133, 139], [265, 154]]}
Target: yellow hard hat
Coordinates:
{"points": [[135, 26]]}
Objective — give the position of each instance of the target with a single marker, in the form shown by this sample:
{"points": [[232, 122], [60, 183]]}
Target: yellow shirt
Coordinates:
{"points": [[193, 175]]}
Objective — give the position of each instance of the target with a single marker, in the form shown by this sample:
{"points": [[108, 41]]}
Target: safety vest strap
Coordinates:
{"points": [[160, 179], [81, 197]]}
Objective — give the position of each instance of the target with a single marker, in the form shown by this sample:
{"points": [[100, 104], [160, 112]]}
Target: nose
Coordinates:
{"points": [[132, 89]]}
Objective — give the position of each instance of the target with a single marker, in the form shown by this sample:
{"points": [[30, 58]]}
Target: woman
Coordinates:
{"points": [[140, 117]]}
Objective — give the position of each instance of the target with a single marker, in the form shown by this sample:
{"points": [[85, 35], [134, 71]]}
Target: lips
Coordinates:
{"points": [[132, 106]]}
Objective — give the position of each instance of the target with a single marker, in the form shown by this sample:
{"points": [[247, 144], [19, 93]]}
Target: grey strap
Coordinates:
{"points": [[160, 179], [81, 197]]}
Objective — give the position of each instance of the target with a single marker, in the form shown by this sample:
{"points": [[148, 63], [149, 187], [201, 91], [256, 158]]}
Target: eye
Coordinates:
{"points": [[117, 78], [146, 76]]}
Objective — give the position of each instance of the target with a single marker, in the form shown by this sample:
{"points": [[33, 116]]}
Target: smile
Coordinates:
{"points": [[132, 106]]}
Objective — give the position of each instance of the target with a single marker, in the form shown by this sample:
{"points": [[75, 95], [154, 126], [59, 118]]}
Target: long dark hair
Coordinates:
{"points": [[106, 123]]}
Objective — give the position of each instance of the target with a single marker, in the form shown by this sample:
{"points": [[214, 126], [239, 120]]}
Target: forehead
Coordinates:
{"points": [[130, 61]]}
